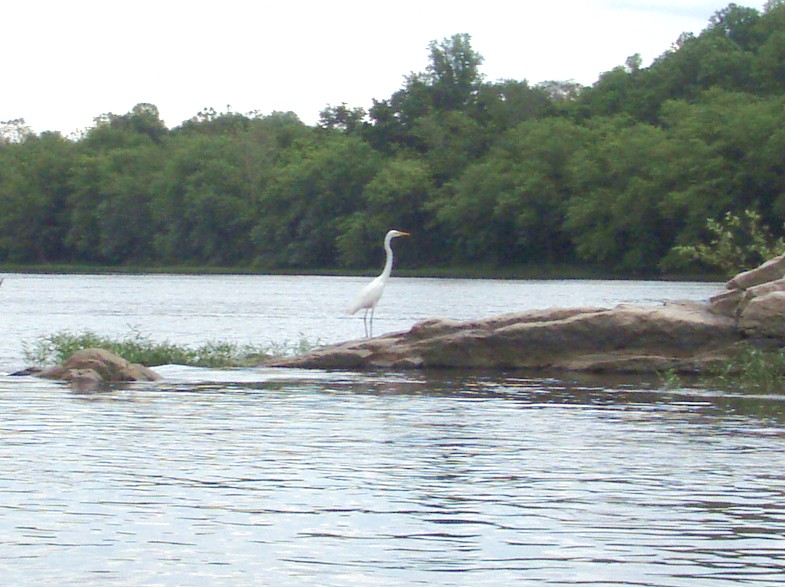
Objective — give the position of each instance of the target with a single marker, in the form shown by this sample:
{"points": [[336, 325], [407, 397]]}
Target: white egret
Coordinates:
{"points": [[370, 295]]}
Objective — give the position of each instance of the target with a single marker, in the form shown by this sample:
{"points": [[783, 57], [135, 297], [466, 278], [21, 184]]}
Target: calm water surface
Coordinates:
{"points": [[276, 477]]}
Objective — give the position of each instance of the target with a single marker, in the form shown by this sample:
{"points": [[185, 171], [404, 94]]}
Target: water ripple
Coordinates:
{"points": [[335, 479]]}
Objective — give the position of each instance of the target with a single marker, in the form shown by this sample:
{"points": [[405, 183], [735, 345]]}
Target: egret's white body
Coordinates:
{"points": [[370, 295]]}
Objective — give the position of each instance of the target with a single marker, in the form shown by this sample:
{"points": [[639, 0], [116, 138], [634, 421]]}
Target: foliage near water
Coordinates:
{"points": [[138, 348], [750, 369], [619, 175], [737, 243], [755, 369]]}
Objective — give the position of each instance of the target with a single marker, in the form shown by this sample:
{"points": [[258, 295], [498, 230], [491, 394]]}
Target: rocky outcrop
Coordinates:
{"points": [[763, 317], [685, 337], [679, 336], [95, 368], [755, 299], [771, 270]]}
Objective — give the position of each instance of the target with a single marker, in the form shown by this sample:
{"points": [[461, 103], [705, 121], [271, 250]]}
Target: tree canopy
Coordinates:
{"points": [[621, 175]]}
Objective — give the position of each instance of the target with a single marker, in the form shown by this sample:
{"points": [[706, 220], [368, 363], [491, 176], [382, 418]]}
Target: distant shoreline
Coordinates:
{"points": [[474, 272]]}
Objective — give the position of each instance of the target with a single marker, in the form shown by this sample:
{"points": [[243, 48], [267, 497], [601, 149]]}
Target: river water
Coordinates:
{"points": [[288, 477]]}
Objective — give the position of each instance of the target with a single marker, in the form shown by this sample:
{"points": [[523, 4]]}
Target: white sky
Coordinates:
{"points": [[66, 62]]}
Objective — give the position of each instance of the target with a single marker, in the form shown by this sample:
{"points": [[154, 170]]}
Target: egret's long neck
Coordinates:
{"points": [[389, 262]]}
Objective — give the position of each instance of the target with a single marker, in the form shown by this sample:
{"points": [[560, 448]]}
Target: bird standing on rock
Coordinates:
{"points": [[370, 295]]}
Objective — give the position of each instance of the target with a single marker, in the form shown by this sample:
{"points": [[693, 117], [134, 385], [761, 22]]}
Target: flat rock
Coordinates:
{"points": [[682, 336]]}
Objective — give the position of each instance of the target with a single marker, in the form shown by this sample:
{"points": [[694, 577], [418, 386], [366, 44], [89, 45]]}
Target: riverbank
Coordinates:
{"points": [[559, 271]]}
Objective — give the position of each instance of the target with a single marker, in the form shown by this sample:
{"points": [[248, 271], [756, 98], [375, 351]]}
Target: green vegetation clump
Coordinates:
{"points": [[737, 243], [756, 370], [137, 348], [751, 369]]}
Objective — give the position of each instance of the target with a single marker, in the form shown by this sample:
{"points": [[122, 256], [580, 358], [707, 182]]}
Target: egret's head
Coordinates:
{"points": [[396, 233]]}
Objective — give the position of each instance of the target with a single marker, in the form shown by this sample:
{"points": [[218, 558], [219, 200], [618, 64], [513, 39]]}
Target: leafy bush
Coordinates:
{"points": [[737, 243]]}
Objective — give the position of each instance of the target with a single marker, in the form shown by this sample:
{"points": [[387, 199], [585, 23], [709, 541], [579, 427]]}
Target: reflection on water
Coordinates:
{"points": [[277, 477]]}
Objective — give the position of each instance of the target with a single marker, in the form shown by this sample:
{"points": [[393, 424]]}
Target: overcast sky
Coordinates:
{"points": [[65, 62]]}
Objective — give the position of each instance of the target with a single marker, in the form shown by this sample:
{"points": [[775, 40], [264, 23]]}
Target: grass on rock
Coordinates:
{"points": [[138, 348]]}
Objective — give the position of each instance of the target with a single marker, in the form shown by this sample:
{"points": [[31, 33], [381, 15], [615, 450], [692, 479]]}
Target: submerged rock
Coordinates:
{"points": [[94, 368]]}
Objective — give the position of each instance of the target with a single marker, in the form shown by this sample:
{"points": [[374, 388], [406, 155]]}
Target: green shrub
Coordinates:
{"points": [[737, 243], [750, 369], [755, 369]]}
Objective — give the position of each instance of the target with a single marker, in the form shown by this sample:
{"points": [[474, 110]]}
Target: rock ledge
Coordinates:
{"points": [[679, 336], [684, 337]]}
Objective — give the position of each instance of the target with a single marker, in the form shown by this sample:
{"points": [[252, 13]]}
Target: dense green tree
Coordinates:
{"points": [[740, 50], [453, 74], [203, 207], [210, 121], [310, 193], [451, 82], [769, 64], [739, 24], [727, 149], [503, 105], [394, 198], [538, 188], [618, 180], [616, 92], [509, 207], [109, 206], [35, 183], [465, 211], [451, 141], [342, 118], [140, 126], [111, 188]]}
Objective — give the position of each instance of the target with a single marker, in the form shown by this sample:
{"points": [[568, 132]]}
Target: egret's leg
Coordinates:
{"points": [[365, 322], [371, 329]]}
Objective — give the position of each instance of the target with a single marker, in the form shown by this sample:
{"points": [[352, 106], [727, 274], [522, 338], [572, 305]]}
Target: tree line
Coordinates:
{"points": [[621, 175]]}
